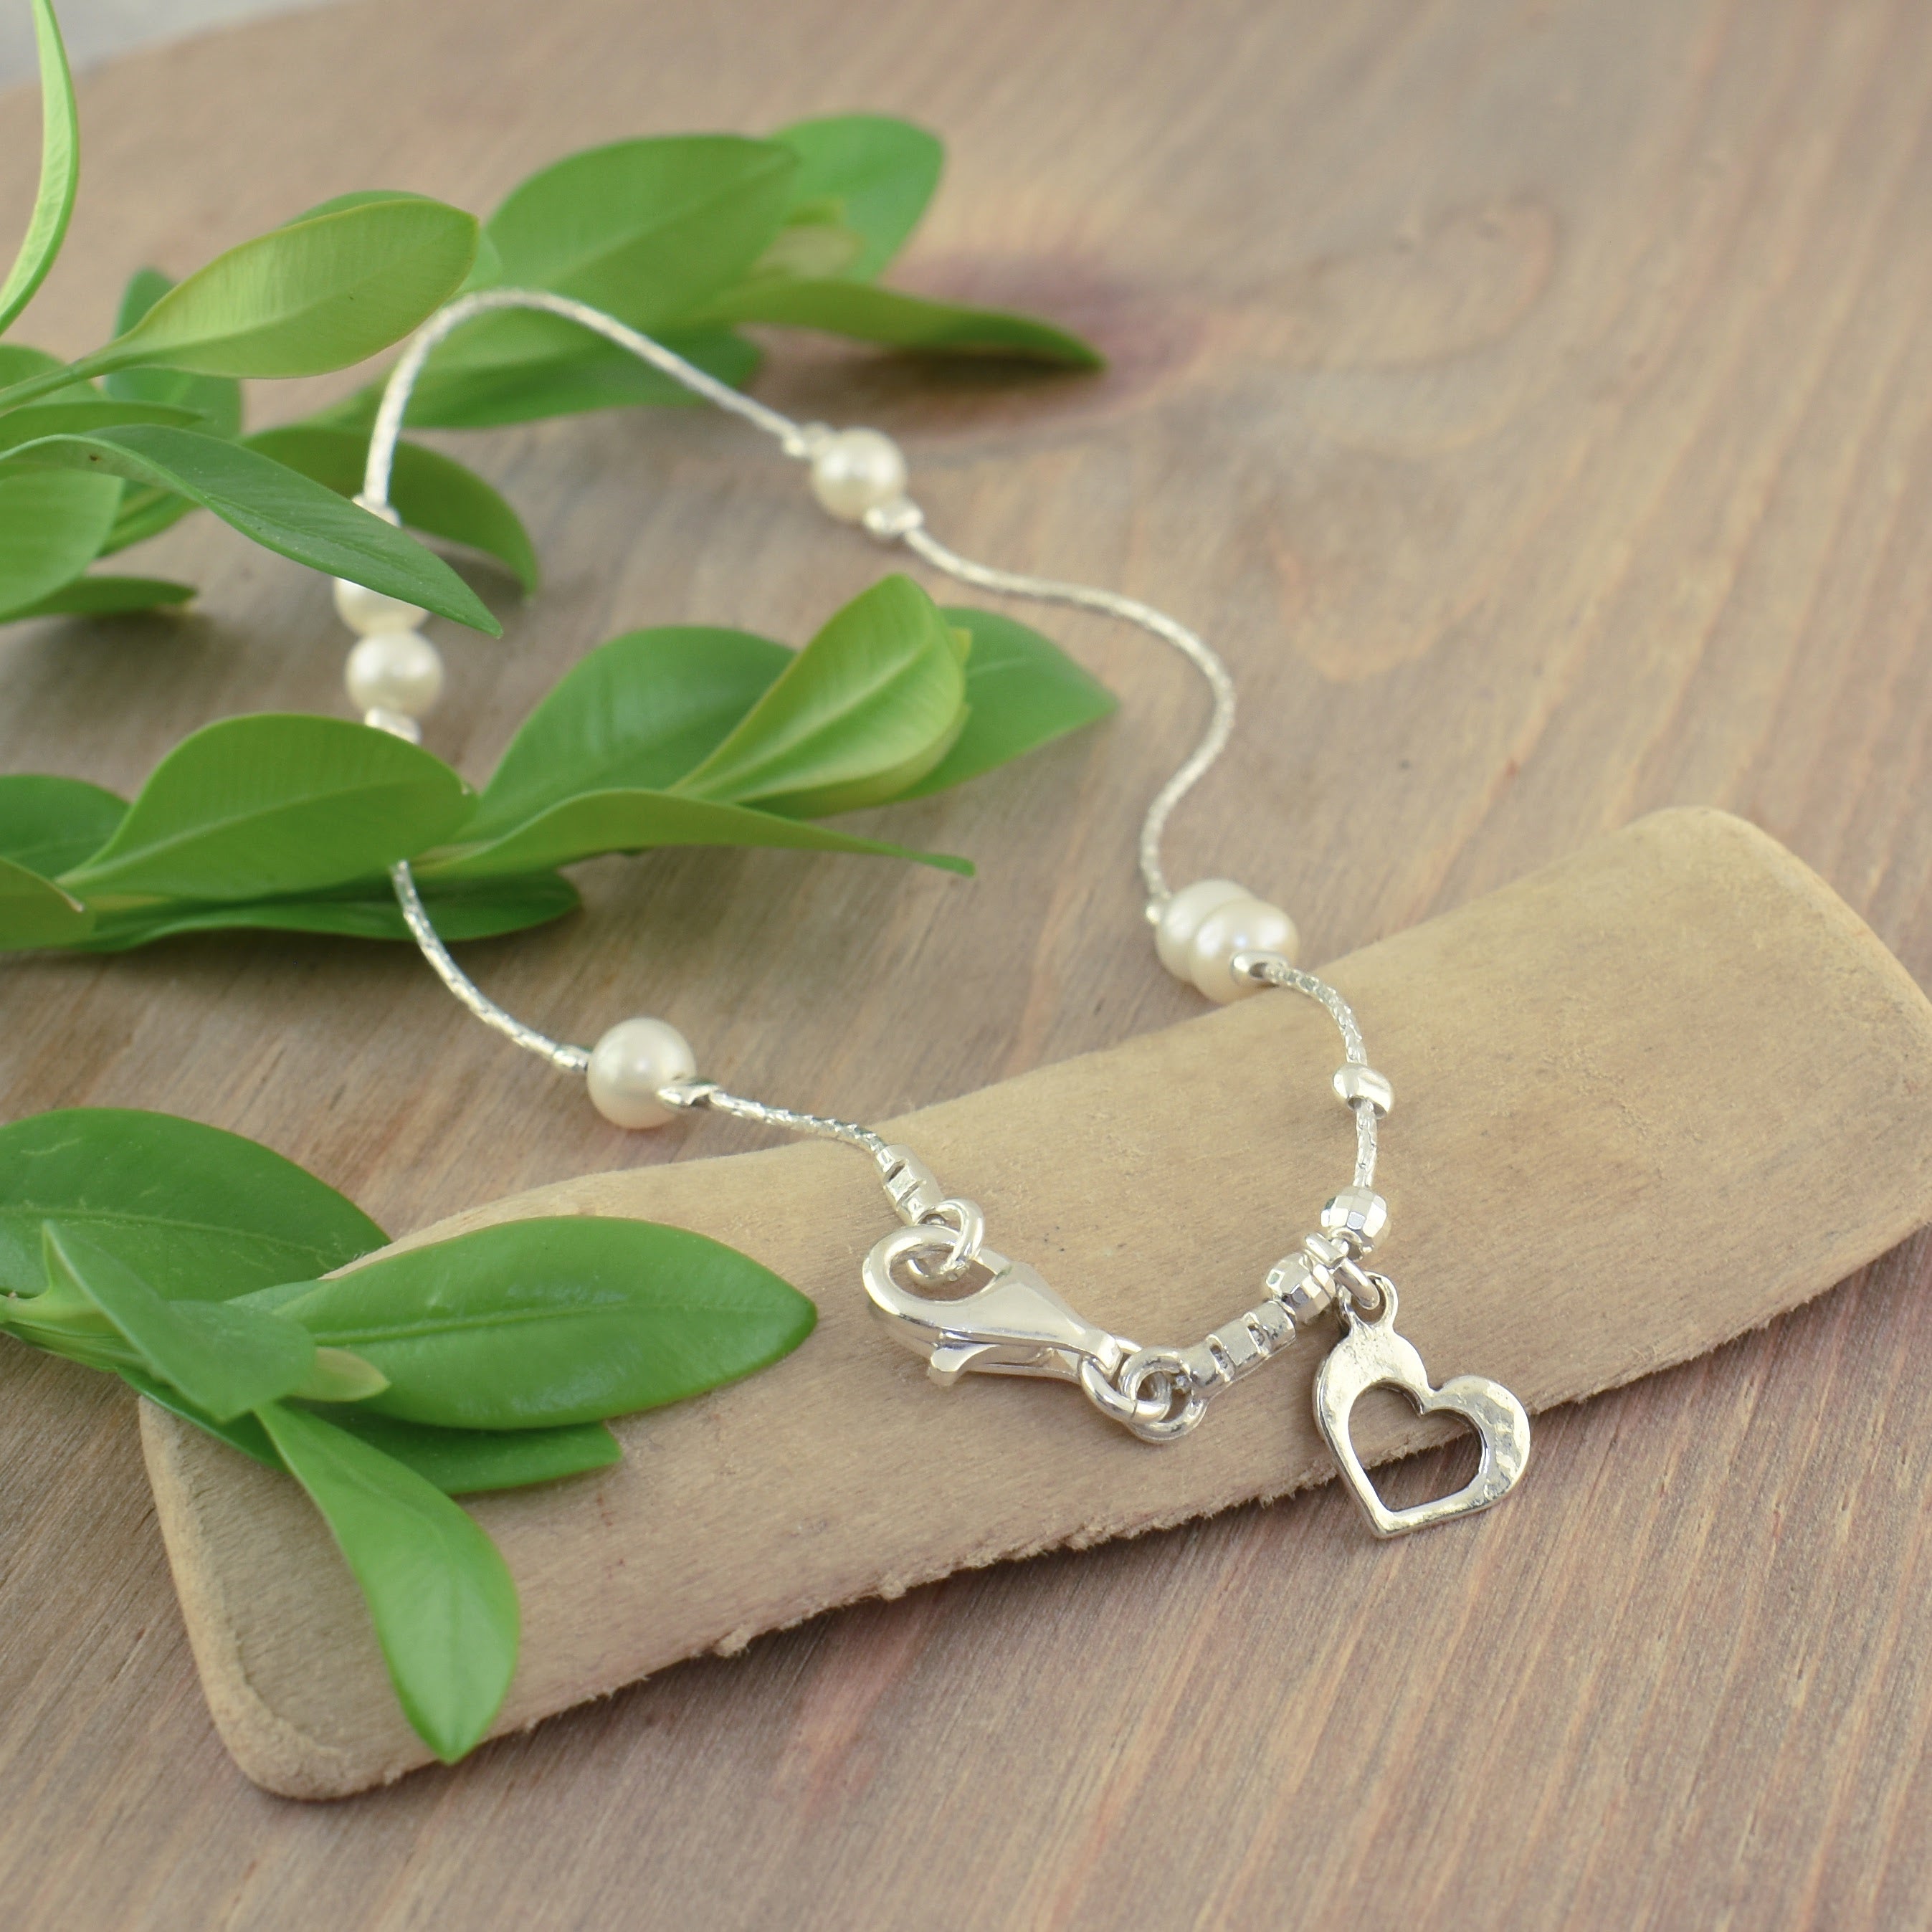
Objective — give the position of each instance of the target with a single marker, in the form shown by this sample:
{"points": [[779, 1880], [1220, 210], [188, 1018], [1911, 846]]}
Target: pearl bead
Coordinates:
{"points": [[395, 670], [1237, 926], [630, 1063], [1183, 914], [368, 612], [855, 470]]}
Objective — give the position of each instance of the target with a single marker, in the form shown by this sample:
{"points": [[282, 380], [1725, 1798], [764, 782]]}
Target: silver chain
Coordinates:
{"points": [[1015, 1325]]}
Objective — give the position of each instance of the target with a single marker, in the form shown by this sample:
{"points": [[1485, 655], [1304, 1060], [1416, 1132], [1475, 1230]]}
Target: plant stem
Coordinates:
{"points": [[42, 385]]}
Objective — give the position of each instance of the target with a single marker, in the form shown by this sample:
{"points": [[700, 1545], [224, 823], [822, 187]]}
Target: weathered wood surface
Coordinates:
{"points": [[1595, 1069], [1534, 403]]}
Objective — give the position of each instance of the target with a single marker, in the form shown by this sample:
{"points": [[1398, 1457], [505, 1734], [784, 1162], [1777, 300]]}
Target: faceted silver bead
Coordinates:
{"points": [[1360, 1211], [1363, 1083], [1294, 1282]]}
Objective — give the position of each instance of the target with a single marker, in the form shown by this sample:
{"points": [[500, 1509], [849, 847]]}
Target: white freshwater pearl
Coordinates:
{"points": [[1183, 914], [1237, 926], [855, 470], [630, 1063], [368, 612], [395, 670]]}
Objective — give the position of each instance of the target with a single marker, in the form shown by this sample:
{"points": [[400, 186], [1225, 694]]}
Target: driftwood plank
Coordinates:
{"points": [[1596, 1072]]}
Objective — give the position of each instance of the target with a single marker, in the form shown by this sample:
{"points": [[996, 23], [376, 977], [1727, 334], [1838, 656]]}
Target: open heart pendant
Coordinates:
{"points": [[1371, 1355]]}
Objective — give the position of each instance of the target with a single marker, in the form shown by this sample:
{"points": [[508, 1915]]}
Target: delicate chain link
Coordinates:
{"points": [[1158, 1393], [797, 440]]}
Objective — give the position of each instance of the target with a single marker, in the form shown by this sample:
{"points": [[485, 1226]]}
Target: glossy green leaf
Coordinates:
{"points": [[105, 596], [1022, 691], [277, 507], [899, 321], [871, 705], [49, 824], [35, 912], [813, 242], [462, 909], [459, 1462], [636, 713], [432, 493], [471, 1462], [439, 1594], [531, 1324], [880, 172], [224, 1356], [318, 294], [216, 400], [145, 512], [60, 170], [586, 374], [637, 821], [263, 806], [52, 526], [195, 1212], [644, 229], [83, 414], [241, 1431]]}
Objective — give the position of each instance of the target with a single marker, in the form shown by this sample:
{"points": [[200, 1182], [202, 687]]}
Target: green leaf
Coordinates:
{"points": [[880, 172], [19, 364], [52, 526], [103, 597], [263, 806], [636, 713], [461, 909], [870, 314], [644, 229], [195, 1212], [439, 1594], [144, 513], [636, 821], [459, 1462], [1022, 691], [224, 1356], [585, 373], [266, 501], [216, 399], [33, 911], [49, 824], [318, 294], [432, 493], [469, 1462], [60, 170], [83, 414], [531, 1323], [871, 704]]}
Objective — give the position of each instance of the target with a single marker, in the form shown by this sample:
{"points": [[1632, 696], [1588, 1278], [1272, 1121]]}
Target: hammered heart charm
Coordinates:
{"points": [[1371, 1355]]}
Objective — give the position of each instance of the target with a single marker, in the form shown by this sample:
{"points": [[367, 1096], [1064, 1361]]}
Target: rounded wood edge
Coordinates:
{"points": [[271, 1752]]}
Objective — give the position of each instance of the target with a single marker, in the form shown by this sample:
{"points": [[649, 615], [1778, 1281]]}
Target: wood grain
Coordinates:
{"points": [[1535, 404], [1593, 1063]]}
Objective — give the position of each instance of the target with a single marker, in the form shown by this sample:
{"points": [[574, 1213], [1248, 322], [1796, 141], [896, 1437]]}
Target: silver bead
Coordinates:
{"points": [[1360, 1211], [1294, 1282], [1363, 1083]]}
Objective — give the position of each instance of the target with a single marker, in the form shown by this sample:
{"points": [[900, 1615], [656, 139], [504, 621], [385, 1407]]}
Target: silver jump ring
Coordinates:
{"points": [[1159, 1365], [1134, 1411], [969, 1230]]}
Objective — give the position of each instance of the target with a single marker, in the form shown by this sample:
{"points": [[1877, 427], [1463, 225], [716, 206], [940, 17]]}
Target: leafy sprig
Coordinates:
{"points": [[188, 1261], [679, 736], [690, 237]]}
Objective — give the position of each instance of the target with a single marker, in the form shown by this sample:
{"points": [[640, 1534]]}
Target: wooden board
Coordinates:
{"points": [[1534, 404], [1594, 1069]]}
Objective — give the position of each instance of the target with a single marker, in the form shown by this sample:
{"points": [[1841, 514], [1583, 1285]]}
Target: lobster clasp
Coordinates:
{"points": [[1015, 1325]]}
